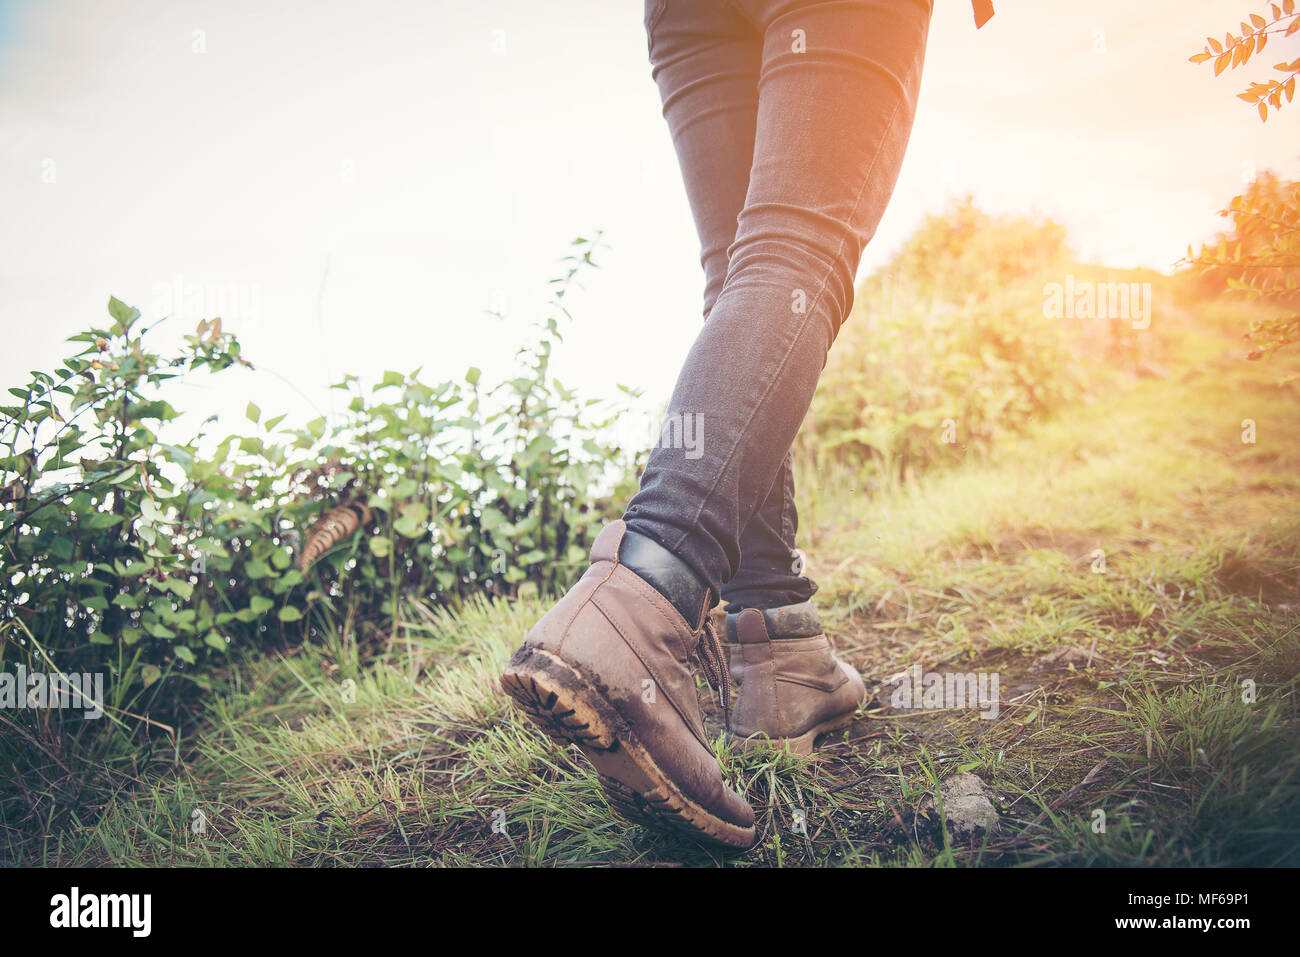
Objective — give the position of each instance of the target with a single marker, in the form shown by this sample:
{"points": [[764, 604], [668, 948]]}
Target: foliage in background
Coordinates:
{"points": [[948, 349], [1261, 256], [1236, 51], [148, 558]]}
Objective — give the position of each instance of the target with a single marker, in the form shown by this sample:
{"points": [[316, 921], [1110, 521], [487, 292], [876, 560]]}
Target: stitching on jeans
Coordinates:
{"points": [[787, 499], [802, 325], [653, 22]]}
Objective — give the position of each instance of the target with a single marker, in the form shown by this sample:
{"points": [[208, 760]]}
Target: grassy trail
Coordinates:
{"points": [[1139, 533]]}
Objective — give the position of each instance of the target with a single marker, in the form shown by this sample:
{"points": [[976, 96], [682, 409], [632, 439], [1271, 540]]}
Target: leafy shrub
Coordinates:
{"points": [[948, 350], [1260, 258], [150, 558]]}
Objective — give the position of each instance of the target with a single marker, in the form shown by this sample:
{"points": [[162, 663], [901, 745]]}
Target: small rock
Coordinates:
{"points": [[967, 806], [1061, 659]]}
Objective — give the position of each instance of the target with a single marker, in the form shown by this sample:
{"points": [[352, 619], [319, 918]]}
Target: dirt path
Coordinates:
{"points": [[1119, 594]]}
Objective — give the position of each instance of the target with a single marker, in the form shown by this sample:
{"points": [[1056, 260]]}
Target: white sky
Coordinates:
{"points": [[481, 137]]}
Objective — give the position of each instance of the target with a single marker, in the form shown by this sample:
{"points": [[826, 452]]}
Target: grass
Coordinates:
{"points": [[1138, 529]]}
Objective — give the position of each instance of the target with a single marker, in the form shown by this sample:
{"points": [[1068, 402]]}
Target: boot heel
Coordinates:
{"points": [[569, 710], [559, 701]]}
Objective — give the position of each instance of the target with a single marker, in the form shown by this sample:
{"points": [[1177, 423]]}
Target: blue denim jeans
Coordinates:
{"points": [[790, 119]]}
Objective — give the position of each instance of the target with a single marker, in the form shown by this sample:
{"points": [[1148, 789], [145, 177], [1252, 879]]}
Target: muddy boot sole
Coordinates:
{"points": [[569, 709], [802, 744]]}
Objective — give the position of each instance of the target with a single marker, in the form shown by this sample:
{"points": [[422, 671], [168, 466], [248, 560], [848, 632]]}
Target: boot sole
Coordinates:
{"points": [[569, 710], [801, 744]]}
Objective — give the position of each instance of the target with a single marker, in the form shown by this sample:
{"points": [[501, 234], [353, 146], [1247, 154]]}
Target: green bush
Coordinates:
{"points": [[151, 559], [948, 350]]}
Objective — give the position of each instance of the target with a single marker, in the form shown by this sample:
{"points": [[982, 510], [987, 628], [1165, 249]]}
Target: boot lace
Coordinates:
{"points": [[714, 665]]}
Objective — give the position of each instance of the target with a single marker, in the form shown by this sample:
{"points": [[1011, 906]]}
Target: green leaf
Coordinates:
{"points": [[408, 527], [154, 410], [150, 674], [149, 510], [260, 604], [416, 511], [99, 520], [380, 546], [287, 580], [252, 412], [123, 315], [180, 587], [257, 569], [289, 613], [185, 655], [214, 641], [317, 427]]}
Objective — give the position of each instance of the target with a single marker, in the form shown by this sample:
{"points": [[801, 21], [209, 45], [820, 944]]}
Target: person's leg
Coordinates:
{"points": [[705, 58], [837, 93], [712, 115], [607, 668], [770, 574]]}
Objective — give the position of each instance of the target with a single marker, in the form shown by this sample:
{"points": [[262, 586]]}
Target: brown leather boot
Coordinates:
{"points": [[791, 688], [608, 669]]}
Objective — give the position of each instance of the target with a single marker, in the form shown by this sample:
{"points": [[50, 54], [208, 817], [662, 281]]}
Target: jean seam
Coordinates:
{"points": [[653, 22], [825, 281], [787, 499]]}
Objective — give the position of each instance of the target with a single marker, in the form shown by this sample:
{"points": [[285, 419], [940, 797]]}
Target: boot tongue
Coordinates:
{"points": [[666, 573]]}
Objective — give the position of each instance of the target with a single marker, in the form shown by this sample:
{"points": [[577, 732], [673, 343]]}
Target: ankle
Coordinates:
{"points": [[668, 575], [785, 621]]}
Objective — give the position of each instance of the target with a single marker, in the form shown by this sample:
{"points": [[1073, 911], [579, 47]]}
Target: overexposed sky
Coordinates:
{"points": [[370, 178]]}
